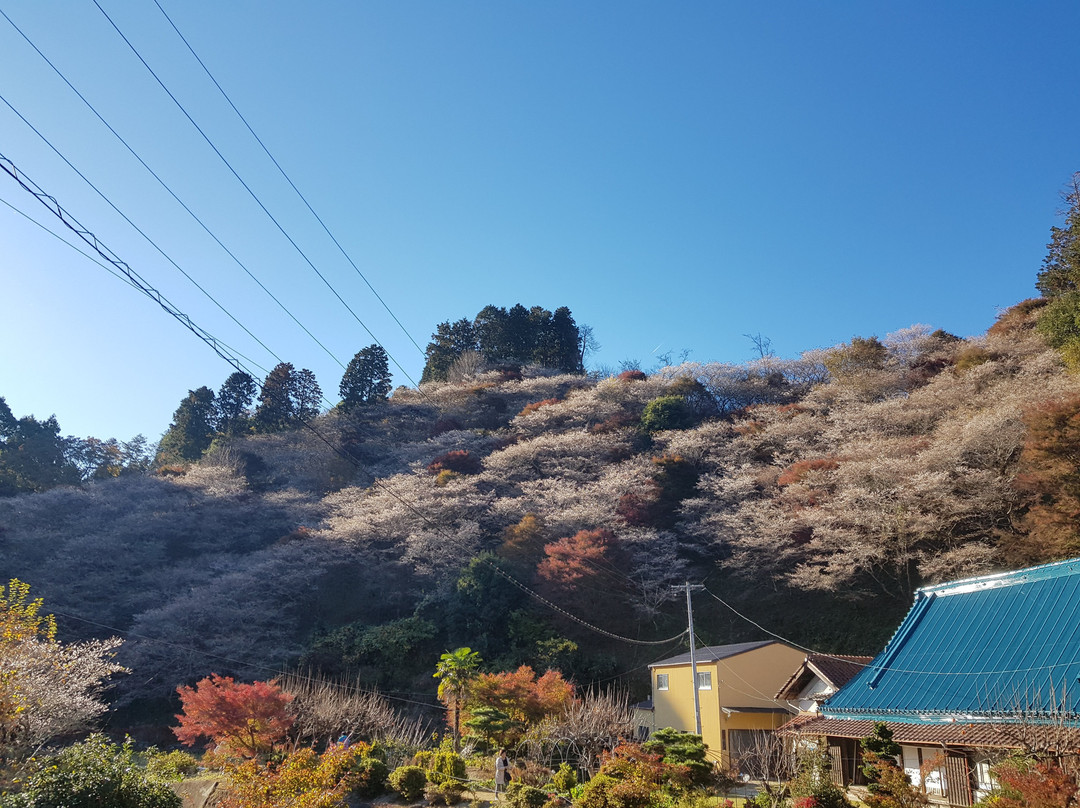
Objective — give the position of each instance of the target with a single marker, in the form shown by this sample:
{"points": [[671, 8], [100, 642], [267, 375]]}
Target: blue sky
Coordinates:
{"points": [[678, 174]]}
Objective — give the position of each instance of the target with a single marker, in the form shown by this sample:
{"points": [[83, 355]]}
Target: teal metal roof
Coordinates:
{"points": [[978, 649]]}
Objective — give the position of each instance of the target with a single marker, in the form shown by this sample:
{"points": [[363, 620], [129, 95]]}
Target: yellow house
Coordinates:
{"points": [[737, 686]]}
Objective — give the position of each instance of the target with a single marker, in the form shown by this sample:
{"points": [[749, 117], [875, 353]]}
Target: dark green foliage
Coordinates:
{"points": [[564, 780], [33, 456], [479, 605], [666, 412], [234, 401], [682, 749], [882, 747], [1061, 267], [813, 779], [366, 379], [449, 341], [93, 774], [287, 396], [367, 777], [408, 782], [487, 724], [518, 336], [380, 652], [192, 428]]}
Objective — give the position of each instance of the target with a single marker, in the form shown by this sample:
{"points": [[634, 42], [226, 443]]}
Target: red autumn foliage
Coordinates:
{"points": [[1050, 477], [572, 559], [245, 720], [796, 472], [632, 376], [529, 409], [1034, 784], [521, 694], [458, 460]]}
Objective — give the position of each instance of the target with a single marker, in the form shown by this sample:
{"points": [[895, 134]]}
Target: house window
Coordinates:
{"points": [[661, 681], [704, 680]]}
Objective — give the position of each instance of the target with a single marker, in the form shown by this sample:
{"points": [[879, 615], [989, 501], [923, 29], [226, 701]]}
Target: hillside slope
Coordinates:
{"points": [[811, 495]]}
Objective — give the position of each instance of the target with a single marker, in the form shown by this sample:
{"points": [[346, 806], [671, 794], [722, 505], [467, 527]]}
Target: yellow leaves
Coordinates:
{"points": [[20, 618]]}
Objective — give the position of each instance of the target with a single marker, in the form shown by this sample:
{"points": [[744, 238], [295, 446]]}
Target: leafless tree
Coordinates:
{"points": [[597, 721]]}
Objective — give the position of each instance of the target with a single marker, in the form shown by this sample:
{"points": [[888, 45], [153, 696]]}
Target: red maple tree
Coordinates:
{"points": [[242, 719]]}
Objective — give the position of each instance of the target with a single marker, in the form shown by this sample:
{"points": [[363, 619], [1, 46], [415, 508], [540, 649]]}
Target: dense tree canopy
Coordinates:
{"points": [[366, 379], [516, 336]]}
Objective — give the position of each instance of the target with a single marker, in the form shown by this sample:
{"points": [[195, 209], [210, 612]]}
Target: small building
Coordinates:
{"points": [[736, 687], [977, 667], [818, 677]]}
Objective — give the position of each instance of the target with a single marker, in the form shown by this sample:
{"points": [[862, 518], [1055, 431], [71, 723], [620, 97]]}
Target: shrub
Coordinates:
{"points": [[447, 423], [972, 357], [796, 472], [564, 779], [529, 409], [175, 765], [445, 477], [448, 793], [367, 777], [446, 765], [93, 774], [458, 460], [408, 782], [666, 412], [632, 376], [519, 795]]}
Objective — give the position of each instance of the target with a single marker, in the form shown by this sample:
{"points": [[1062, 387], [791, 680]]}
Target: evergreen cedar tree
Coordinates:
{"points": [[519, 336], [366, 379]]}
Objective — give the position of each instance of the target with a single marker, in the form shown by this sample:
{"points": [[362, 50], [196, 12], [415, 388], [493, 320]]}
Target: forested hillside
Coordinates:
{"points": [[813, 495], [543, 517]]}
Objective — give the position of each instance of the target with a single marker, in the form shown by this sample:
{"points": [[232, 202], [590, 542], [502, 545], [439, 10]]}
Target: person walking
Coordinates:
{"points": [[502, 772]]}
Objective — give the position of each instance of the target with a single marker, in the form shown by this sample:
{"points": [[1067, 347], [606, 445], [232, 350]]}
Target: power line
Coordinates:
{"points": [[253, 195], [219, 348], [41, 196], [170, 190], [287, 178]]}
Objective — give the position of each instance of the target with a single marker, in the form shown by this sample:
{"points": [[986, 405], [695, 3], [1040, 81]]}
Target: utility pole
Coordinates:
{"points": [[693, 658]]}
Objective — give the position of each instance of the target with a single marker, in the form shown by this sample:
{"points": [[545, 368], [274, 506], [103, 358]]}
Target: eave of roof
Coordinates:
{"points": [[712, 653]]}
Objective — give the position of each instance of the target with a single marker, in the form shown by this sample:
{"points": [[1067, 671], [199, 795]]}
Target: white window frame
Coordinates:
{"points": [[661, 681], [704, 680]]}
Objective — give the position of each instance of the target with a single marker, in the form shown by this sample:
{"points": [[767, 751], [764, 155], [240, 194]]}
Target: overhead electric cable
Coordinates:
{"points": [[137, 229], [164, 185], [69, 221], [222, 350], [287, 178], [253, 195]]}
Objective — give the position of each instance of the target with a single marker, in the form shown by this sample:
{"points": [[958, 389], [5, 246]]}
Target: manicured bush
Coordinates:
{"points": [[408, 782], [520, 795], [564, 780], [448, 793], [367, 777], [446, 765]]}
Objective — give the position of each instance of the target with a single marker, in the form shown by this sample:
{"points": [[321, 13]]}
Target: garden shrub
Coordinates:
{"points": [[174, 765], [93, 774], [813, 784], [446, 765], [367, 776], [564, 780], [448, 793], [408, 782], [520, 795], [666, 412]]}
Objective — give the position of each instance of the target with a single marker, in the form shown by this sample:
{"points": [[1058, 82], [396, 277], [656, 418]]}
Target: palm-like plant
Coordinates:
{"points": [[456, 670]]}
